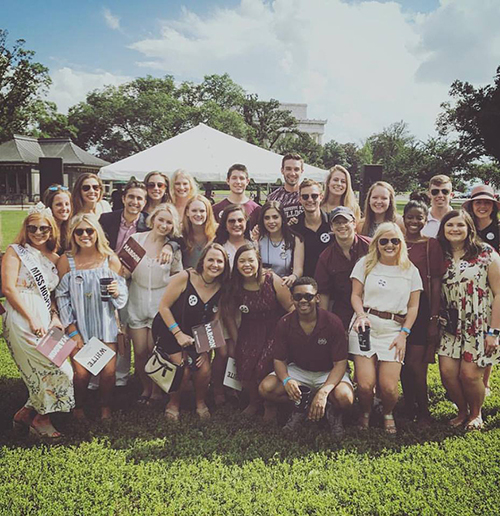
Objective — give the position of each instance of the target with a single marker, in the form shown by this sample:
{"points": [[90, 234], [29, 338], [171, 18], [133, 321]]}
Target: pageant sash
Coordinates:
{"points": [[34, 269]]}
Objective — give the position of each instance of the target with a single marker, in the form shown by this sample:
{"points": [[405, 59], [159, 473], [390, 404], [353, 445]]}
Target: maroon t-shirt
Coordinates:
{"points": [[333, 273], [288, 200], [251, 207], [418, 256], [319, 351]]}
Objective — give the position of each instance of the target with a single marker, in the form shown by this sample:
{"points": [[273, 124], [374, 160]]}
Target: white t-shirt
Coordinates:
{"points": [[388, 287]]}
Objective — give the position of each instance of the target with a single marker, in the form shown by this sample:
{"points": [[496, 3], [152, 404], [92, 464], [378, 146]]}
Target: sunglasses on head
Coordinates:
{"points": [[393, 241], [86, 188], [152, 184], [313, 196], [33, 229], [444, 191], [81, 231], [299, 297], [58, 187]]}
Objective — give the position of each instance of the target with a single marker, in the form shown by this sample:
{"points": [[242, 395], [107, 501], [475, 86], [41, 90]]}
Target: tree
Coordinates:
{"points": [[475, 115], [51, 124], [304, 145], [22, 84]]}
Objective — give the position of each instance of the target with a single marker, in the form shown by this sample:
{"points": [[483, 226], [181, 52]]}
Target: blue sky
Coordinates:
{"points": [[360, 64]]}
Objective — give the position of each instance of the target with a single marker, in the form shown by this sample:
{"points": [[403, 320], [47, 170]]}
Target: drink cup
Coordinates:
{"points": [[104, 283], [364, 339], [305, 398]]}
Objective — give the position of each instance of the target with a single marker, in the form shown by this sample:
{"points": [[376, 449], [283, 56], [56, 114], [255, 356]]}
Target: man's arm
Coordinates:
{"points": [[318, 405], [291, 386]]}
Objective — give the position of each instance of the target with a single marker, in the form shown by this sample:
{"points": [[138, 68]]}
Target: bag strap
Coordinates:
{"points": [[429, 287]]}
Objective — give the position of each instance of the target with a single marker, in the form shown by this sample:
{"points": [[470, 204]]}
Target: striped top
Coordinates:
{"points": [[78, 297]]}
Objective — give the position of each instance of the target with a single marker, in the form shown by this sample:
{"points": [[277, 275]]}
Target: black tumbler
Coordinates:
{"points": [[104, 283], [192, 357], [305, 398], [364, 339]]}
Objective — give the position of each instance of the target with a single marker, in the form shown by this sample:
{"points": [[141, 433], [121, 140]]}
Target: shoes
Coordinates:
{"points": [[390, 425], [172, 415], [334, 419], [364, 421], [475, 424], [457, 422], [487, 392], [142, 400], [294, 422], [203, 413], [45, 433]]}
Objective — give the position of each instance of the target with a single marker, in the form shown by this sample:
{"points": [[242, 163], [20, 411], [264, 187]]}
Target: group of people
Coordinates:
{"points": [[300, 285]]}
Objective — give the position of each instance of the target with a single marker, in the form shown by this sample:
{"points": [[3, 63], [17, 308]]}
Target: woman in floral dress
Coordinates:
{"points": [[471, 294]]}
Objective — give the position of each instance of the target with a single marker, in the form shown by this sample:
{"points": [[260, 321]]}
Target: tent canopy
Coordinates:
{"points": [[207, 154]]}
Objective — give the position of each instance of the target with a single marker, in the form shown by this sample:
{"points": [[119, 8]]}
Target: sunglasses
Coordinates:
{"points": [[33, 229], [393, 241], [156, 185], [314, 196], [58, 187], [88, 231], [86, 188], [444, 191], [299, 297]]}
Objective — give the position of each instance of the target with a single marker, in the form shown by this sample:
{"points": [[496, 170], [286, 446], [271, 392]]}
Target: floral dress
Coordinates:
{"points": [[50, 388], [465, 287]]}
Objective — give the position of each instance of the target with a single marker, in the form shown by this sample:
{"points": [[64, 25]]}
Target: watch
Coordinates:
{"points": [[493, 331]]}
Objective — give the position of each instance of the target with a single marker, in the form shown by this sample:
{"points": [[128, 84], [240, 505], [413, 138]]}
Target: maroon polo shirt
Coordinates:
{"points": [[333, 273], [319, 351], [251, 207]]}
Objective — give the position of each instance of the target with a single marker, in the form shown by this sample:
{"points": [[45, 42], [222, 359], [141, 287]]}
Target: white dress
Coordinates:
{"points": [[147, 285], [50, 388], [387, 289]]}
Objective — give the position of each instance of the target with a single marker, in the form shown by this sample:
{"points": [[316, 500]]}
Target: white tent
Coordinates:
{"points": [[207, 154]]}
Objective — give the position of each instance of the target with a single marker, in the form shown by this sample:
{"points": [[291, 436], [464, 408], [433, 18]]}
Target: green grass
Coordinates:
{"points": [[10, 224]]}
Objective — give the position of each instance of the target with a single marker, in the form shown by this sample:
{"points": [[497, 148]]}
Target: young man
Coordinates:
{"points": [[312, 224], [335, 264], [440, 192], [310, 349], [238, 180], [292, 166]]}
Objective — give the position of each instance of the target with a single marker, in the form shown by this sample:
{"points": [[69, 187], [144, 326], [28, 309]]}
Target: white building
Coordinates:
{"points": [[314, 128]]}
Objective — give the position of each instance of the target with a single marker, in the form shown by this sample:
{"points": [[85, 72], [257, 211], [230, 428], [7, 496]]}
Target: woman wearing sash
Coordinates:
{"points": [[84, 313], [29, 274]]}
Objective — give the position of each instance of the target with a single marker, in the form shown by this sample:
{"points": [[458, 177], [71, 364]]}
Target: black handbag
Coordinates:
{"points": [[448, 319]]}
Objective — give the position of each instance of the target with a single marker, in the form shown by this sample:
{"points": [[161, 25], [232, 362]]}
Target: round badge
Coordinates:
{"points": [[79, 280], [382, 283], [192, 300], [490, 236], [244, 309], [322, 342], [215, 309], [283, 255], [220, 214], [325, 238]]}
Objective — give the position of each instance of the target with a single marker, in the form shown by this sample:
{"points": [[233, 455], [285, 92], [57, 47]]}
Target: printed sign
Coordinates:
{"points": [[208, 336], [56, 346], [131, 254], [94, 356], [231, 379]]}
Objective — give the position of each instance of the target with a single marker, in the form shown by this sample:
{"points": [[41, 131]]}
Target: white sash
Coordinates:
{"points": [[36, 273]]}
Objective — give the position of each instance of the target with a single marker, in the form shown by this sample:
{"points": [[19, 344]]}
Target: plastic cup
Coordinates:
{"points": [[305, 398], [104, 283]]}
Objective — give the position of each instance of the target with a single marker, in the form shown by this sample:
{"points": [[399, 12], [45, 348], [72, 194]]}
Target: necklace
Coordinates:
{"points": [[277, 245], [207, 282]]}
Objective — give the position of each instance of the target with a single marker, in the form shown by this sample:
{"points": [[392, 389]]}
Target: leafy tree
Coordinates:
{"points": [[22, 84], [50, 123]]}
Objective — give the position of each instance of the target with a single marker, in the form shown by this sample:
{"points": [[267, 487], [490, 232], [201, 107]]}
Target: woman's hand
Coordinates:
{"points": [[166, 254], [56, 322], [201, 360], [183, 340], [400, 344], [361, 323], [79, 341], [113, 289], [287, 281], [36, 327], [490, 345], [255, 233]]}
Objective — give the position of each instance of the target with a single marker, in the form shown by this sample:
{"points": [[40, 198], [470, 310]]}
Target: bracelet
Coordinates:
{"points": [[73, 333], [493, 331], [176, 333], [172, 326], [406, 330], [286, 380]]}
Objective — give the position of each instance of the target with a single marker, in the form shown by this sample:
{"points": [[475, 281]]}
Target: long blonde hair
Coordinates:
{"points": [[389, 215], [210, 223], [373, 255], [22, 237], [348, 198], [169, 208], [102, 244], [182, 173]]}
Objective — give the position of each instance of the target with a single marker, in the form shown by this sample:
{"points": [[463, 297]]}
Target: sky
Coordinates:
{"points": [[362, 65]]}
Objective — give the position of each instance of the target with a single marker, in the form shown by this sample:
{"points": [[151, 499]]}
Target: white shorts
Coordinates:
{"points": [[313, 379]]}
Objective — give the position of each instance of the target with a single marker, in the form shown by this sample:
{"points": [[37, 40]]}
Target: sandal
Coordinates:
{"points": [[457, 422], [203, 413], [364, 421], [475, 424], [142, 400], [172, 415], [45, 433], [390, 425]]}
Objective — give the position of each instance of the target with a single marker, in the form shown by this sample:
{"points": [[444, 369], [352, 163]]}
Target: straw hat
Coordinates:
{"points": [[482, 192]]}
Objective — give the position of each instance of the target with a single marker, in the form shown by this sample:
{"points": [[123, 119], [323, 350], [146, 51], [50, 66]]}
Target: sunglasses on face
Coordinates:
{"points": [[58, 187], [299, 297], [86, 188], [88, 231], [313, 196], [33, 229], [393, 241], [152, 184], [444, 191]]}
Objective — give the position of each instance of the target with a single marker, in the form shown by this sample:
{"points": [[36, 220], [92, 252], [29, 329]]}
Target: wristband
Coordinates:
{"points": [[73, 333], [176, 333], [172, 326], [286, 380], [406, 330]]}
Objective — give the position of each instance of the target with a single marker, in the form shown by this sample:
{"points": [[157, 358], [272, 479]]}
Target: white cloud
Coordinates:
{"points": [[112, 21], [361, 65], [71, 86]]}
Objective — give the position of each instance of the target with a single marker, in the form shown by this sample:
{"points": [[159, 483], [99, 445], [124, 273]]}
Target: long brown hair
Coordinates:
{"points": [[472, 243], [348, 198], [389, 215], [48, 199], [77, 198], [224, 277]]}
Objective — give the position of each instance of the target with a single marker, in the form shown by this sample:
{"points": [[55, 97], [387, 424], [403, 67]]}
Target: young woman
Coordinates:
{"points": [[426, 254], [88, 192], [148, 282], [281, 249], [29, 274], [198, 229], [380, 206], [339, 192], [233, 230], [158, 190], [385, 297], [191, 298], [182, 188], [58, 199], [471, 292], [83, 313], [261, 299]]}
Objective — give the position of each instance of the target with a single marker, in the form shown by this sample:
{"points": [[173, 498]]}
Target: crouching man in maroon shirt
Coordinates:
{"points": [[310, 349]]}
